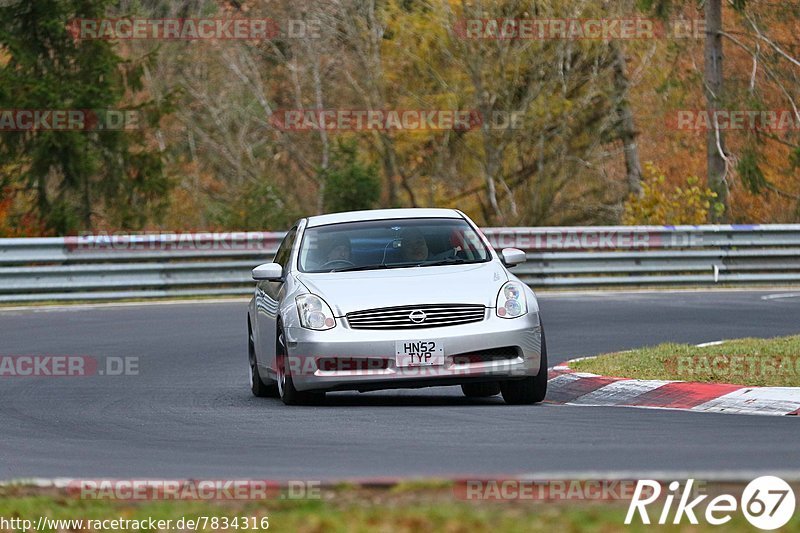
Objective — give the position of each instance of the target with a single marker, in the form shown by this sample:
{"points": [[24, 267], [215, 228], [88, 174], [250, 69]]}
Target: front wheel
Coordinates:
{"points": [[530, 390], [286, 390]]}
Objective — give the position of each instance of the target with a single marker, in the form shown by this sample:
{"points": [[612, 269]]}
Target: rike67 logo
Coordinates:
{"points": [[767, 502]]}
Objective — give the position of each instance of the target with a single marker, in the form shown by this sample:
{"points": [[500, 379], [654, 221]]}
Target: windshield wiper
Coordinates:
{"points": [[376, 266], [433, 262], [446, 261], [355, 268]]}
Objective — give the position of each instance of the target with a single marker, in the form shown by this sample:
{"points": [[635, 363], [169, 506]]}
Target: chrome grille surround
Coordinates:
{"points": [[408, 316]]}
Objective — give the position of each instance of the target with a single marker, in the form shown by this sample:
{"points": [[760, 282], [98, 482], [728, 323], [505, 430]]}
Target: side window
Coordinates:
{"points": [[285, 249]]}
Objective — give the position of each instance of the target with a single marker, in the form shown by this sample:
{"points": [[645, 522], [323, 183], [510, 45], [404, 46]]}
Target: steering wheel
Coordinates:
{"points": [[344, 262]]}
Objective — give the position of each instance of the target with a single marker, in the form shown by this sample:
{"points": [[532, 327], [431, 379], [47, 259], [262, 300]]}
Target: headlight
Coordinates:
{"points": [[511, 300], [314, 312]]}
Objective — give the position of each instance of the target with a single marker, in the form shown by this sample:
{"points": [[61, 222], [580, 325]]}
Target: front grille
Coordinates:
{"points": [[400, 317]]}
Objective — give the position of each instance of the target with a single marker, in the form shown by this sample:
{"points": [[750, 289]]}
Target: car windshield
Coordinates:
{"points": [[396, 243]]}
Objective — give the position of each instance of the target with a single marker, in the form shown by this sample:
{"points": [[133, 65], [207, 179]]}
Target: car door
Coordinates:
{"points": [[268, 297]]}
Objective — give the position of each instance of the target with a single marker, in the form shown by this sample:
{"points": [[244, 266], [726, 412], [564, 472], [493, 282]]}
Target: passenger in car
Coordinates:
{"points": [[413, 245]]}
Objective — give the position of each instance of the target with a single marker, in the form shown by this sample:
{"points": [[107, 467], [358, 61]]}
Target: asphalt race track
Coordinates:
{"points": [[189, 412]]}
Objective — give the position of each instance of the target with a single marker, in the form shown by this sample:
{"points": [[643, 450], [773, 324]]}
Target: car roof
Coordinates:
{"points": [[382, 214]]}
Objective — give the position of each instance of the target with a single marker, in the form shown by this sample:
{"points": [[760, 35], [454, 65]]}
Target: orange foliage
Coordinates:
{"points": [[671, 81]]}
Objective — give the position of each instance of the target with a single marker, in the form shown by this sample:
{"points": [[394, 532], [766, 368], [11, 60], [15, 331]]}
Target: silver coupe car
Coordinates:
{"points": [[393, 298]]}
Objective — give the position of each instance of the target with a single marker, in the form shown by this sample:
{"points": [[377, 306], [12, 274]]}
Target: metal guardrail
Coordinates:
{"points": [[107, 267]]}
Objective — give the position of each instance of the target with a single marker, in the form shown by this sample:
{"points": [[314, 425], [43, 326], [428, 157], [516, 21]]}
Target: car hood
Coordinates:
{"points": [[458, 284]]}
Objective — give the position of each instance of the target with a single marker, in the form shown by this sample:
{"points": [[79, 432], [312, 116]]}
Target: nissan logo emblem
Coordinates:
{"points": [[417, 316]]}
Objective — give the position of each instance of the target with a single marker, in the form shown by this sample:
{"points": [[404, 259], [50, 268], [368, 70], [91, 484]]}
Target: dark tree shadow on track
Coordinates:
{"points": [[383, 399], [388, 399]]}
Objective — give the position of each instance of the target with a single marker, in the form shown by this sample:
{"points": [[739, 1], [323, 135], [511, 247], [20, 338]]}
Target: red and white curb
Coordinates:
{"points": [[566, 386]]}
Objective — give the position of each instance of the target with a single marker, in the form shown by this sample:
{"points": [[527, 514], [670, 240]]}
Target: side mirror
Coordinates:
{"points": [[268, 272], [512, 256]]}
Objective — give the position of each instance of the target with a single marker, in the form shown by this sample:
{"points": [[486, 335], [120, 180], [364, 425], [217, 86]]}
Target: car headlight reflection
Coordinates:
{"points": [[511, 300], [314, 312]]}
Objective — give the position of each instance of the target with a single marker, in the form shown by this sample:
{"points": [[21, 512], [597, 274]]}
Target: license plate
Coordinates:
{"points": [[419, 353]]}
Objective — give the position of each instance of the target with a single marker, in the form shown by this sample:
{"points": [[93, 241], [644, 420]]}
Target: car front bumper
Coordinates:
{"points": [[360, 359]]}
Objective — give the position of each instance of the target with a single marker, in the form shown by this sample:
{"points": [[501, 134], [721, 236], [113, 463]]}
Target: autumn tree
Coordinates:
{"points": [[758, 70], [76, 177]]}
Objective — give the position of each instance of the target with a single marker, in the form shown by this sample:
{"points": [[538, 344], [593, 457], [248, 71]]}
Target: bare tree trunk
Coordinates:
{"points": [[363, 30], [491, 166], [715, 142], [323, 135], [627, 126]]}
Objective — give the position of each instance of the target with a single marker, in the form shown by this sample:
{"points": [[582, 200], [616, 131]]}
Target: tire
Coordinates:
{"points": [[530, 390], [286, 390], [480, 390], [257, 385]]}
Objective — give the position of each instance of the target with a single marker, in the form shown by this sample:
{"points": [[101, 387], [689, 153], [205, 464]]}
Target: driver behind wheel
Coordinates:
{"points": [[337, 248]]}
